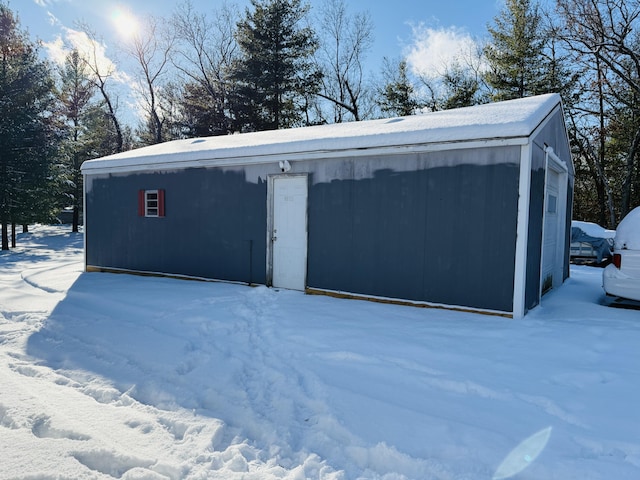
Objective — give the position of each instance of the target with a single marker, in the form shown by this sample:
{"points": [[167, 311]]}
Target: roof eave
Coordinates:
{"points": [[204, 159]]}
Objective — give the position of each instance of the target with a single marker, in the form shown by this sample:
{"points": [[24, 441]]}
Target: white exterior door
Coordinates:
{"points": [[289, 232]]}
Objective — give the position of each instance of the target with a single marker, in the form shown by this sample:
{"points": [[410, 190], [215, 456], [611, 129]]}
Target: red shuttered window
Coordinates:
{"points": [[151, 203], [141, 203]]}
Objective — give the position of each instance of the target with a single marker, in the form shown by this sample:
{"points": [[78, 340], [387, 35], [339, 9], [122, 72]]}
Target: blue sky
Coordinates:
{"points": [[427, 32], [394, 21]]}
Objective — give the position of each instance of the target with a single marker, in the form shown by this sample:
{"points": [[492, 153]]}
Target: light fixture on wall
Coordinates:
{"points": [[285, 166]]}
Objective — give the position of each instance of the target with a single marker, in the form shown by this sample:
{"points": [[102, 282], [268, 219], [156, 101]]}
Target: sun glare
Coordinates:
{"points": [[125, 22]]}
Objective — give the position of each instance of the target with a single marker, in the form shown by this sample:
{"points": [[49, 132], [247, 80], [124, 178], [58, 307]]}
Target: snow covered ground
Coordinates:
{"points": [[117, 376]]}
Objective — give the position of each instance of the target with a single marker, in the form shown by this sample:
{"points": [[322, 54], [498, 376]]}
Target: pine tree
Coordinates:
{"points": [[275, 73], [397, 96], [461, 88], [81, 134], [25, 129], [201, 112], [516, 52]]}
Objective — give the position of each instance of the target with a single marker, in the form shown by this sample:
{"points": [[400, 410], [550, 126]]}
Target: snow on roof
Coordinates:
{"points": [[501, 120]]}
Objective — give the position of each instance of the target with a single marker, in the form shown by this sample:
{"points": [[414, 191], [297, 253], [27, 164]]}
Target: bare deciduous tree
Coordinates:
{"points": [[346, 40], [151, 48], [204, 52], [603, 34], [101, 72]]}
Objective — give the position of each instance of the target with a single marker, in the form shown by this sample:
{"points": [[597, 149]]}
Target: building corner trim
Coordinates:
{"points": [[522, 233]]}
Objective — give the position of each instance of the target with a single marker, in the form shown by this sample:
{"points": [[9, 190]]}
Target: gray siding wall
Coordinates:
{"points": [[215, 225], [437, 227], [444, 233]]}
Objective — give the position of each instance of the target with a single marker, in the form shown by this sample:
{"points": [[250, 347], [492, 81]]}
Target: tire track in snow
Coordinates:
{"points": [[41, 278]]}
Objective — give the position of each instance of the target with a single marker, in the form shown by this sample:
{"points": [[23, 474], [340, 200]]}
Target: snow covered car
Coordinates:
{"points": [[622, 277], [590, 242]]}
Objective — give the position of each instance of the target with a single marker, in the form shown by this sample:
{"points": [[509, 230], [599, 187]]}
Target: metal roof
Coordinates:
{"points": [[510, 119]]}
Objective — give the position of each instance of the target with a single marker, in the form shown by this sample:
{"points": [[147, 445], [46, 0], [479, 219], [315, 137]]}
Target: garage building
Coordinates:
{"points": [[467, 208]]}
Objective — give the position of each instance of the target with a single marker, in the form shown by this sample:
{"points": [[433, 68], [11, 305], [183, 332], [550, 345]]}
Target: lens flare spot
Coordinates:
{"points": [[523, 455]]}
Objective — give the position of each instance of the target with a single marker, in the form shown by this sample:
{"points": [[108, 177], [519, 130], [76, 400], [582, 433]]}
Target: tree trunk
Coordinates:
{"points": [[13, 235], [628, 175], [602, 158], [76, 219], [5, 236], [25, 228], [112, 116], [602, 210]]}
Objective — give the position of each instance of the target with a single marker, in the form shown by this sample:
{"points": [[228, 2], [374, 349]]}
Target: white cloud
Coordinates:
{"points": [[53, 20], [93, 51], [45, 3], [56, 50], [434, 49]]}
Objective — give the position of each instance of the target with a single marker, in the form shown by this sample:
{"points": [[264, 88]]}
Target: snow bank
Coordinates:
{"points": [[115, 376]]}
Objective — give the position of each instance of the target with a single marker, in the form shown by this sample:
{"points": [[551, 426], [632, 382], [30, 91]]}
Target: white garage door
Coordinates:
{"points": [[551, 248]]}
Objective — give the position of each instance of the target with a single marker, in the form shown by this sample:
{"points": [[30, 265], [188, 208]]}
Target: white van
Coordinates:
{"points": [[622, 277]]}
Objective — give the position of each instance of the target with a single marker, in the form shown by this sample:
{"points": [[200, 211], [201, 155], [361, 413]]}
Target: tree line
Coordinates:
{"points": [[278, 64]]}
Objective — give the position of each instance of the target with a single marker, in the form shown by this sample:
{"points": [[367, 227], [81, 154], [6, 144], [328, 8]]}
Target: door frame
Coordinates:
{"points": [[270, 219], [553, 162]]}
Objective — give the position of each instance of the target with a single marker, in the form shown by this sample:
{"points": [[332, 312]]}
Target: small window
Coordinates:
{"points": [[151, 203], [552, 204]]}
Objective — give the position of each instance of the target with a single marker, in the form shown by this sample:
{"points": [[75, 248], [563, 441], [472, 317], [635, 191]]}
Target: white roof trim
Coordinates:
{"points": [[496, 123], [179, 163]]}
